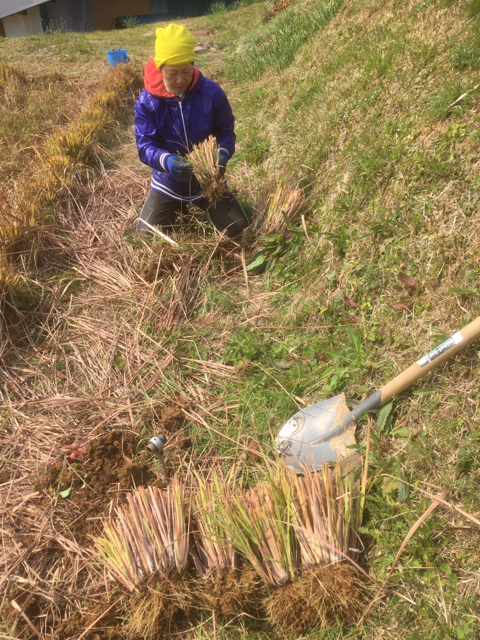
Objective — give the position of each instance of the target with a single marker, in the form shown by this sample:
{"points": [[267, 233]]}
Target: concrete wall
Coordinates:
{"points": [[104, 11], [20, 24]]}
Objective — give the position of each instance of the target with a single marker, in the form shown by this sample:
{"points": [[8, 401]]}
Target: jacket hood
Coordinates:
{"points": [[154, 80]]}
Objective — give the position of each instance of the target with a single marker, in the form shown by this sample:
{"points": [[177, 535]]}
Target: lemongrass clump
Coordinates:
{"points": [[151, 534], [279, 209], [213, 552], [228, 585], [328, 516], [204, 159], [259, 526], [331, 588]]}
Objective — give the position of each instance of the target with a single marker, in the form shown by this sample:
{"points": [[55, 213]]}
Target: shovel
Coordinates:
{"points": [[324, 431]]}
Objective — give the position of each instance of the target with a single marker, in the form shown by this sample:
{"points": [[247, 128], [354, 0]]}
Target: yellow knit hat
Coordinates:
{"points": [[174, 45]]}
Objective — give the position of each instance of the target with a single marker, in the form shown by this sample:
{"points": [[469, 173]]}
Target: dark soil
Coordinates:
{"points": [[112, 464], [167, 420], [4, 476]]}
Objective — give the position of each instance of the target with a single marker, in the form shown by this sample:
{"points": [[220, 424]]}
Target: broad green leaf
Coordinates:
{"points": [[403, 432], [462, 292], [257, 262], [383, 415], [66, 492]]}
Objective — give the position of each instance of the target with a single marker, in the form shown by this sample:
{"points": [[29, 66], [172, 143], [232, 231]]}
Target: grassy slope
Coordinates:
{"points": [[363, 117]]}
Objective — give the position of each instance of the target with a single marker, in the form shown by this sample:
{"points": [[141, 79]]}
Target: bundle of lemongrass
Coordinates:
{"points": [[278, 209], [297, 533], [327, 515], [213, 553], [229, 586], [259, 526], [151, 533], [204, 159], [149, 543]]}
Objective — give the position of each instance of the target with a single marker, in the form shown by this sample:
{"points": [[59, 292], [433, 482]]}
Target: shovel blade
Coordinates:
{"points": [[306, 439]]}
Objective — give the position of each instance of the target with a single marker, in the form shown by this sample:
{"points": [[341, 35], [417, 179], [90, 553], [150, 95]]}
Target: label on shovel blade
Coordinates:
{"points": [[445, 346]]}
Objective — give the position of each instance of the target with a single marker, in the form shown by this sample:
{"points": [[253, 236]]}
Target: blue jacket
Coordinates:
{"points": [[166, 125]]}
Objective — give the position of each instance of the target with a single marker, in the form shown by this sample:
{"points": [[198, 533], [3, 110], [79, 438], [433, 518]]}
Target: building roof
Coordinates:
{"points": [[8, 7]]}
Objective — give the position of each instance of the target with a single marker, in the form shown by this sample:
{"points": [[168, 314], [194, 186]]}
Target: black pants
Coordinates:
{"points": [[226, 213]]}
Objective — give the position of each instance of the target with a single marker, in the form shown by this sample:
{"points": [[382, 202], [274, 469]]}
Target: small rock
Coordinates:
{"points": [[202, 48]]}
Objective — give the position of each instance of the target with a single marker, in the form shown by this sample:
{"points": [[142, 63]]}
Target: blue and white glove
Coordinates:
{"points": [[179, 168], [223, 158]]}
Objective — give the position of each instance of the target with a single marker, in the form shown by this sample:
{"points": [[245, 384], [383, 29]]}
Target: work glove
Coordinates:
{"points": [[179, 168], [223, 158]]}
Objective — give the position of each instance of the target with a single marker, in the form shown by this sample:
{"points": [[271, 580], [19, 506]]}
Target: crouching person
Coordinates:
{"points": [[180, 108]]}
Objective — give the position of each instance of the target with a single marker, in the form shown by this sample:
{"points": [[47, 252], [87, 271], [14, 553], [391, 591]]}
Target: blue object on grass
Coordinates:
{"points": [[117, 56]]}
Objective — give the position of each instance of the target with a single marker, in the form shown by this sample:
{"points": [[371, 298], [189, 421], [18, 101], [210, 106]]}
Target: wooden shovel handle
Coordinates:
{"points": [[433, 359]]}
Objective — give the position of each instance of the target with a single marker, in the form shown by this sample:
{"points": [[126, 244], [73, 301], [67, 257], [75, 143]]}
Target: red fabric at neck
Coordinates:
{"points": [[154, 80]]}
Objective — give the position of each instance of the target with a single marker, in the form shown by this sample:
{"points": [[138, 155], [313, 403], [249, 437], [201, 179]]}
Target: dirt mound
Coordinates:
{"points": [[168, 420], [94, 479], [112, 464]]}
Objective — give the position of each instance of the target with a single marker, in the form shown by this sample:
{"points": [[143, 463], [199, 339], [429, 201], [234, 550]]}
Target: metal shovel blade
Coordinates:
{"points": [[310, 436]]}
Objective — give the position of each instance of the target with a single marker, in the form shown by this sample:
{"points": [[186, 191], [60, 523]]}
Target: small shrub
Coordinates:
{"points": [[130, 22]]}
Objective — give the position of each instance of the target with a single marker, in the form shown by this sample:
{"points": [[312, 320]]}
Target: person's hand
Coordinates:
{"points": [[223, 158], [179, 168]]}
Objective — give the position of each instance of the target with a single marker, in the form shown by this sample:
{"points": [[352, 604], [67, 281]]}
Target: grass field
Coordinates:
{"points": [[372, 106]]}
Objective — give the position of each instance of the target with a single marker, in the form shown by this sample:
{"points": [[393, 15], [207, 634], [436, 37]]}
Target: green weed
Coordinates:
{"points": [[217, 8]]}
